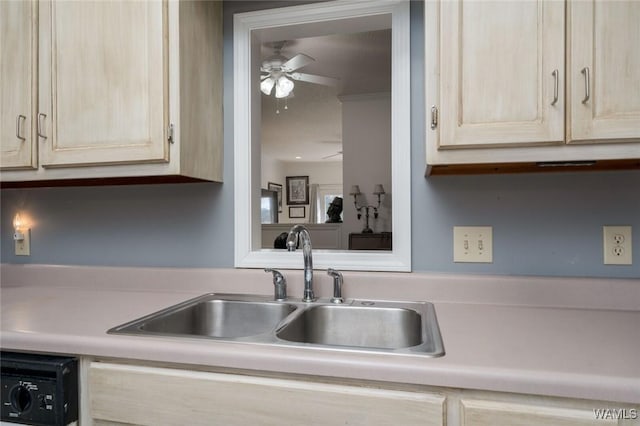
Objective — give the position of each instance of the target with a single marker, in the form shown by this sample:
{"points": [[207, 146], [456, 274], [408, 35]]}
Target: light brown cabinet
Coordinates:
{"points": [[500, 63], [498, 92], [18, 96], [603, 80], [120, 393], [103, 83], [151, 396], [490, 413], [122, 90]]}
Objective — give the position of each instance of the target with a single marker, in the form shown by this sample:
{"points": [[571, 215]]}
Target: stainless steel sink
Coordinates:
{"points": [[360, 325], [409, 327], [364, 327], [211, 315]]}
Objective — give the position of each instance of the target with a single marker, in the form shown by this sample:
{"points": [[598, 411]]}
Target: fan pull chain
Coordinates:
{"points": [[286, 104]]}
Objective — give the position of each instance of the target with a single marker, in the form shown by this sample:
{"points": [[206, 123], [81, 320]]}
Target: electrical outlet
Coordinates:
{"points": [[617, 245], [473, 244], [22, 244]]}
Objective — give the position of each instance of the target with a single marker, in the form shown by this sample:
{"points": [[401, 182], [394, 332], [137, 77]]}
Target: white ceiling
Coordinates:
{"points": [[311, 126]]}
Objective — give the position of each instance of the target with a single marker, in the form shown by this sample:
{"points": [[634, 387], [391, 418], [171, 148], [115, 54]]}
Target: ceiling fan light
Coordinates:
{"points": [[284, 86], [266, 85]]}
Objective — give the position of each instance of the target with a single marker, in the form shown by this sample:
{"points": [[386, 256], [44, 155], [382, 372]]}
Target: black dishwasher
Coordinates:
{"points": [[39, 389]]}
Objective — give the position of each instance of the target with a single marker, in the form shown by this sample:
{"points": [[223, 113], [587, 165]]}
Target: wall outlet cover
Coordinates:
{"points": [[616, 246]]}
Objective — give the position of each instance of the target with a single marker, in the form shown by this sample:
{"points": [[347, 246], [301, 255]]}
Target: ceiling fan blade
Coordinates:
{"points": [[316, 79], [298, 61], [332, 155], [339, 142]]}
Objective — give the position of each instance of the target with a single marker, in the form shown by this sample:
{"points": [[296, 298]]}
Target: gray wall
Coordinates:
{"points": [[544, 224]]}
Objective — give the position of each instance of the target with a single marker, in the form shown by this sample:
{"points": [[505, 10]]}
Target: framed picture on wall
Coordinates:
{"points": [[277, 188], [297, 190], [296, 212]]}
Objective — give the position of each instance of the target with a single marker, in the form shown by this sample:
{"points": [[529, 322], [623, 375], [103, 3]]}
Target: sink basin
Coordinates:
{"points": [[212, 316], [359, 326], [409, 327], [380, 326]]}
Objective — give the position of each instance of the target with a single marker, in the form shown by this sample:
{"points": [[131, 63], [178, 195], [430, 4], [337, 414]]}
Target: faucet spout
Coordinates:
{"points": [[299, 232]]}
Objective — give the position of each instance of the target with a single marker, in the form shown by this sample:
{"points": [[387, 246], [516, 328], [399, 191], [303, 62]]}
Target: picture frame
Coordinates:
{"points": [[277, 188], [297, 190], [297, 212]]}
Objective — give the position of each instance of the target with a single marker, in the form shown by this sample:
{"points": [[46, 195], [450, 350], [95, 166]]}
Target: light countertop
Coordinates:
{"points": [[550, 345]]}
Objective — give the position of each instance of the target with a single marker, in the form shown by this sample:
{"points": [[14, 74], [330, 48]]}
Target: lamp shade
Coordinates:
{"points": [[378, 189], [284, 86], [355, 190], [266, 85]]}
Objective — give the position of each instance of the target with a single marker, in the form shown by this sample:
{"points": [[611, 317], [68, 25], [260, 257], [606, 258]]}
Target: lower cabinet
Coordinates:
{"points": [[117, 394], [490, 413], [164, 396]]}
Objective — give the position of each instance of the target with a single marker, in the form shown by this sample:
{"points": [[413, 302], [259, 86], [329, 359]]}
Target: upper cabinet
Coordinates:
{"points": [[501, 66], [124, 90], [603, 83], [103, 83], [18, 45], [498, 96]]}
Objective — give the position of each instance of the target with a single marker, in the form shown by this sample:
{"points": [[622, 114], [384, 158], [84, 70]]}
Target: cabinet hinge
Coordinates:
{"points": [[434, 117], [170, 133]]}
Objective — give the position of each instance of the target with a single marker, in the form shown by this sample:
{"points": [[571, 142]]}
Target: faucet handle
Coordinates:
{"points": [[337, 285], [280, 284]]}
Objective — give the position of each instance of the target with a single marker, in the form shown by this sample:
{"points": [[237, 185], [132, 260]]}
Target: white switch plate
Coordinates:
{"points": [[473, 244], [617, 245], [23, 246]]}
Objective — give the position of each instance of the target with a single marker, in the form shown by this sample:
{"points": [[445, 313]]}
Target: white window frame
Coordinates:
{"points": [[248, 231]]}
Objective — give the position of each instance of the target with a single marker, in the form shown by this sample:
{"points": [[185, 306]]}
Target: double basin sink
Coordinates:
{"points": [[361, 325]]}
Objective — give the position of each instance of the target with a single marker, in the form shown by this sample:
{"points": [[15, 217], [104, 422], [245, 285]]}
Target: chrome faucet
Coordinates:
{"points": [[300, 232]]}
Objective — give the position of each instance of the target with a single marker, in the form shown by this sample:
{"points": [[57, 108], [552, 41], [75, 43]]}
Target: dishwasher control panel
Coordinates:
{"points": [[39, 389]]}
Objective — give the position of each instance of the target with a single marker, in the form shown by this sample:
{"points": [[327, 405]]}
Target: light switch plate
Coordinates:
{"points": [[473, 244], [617, 245]]}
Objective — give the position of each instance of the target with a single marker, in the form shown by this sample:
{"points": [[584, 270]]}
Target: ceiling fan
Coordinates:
{"points": [[280, 71]]}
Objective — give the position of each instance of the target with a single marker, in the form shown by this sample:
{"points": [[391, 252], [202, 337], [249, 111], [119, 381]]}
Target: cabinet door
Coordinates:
{"points": [[502, 65], [150, 396], [604, 59], [17, 84], [490, 413], [103, 85]]}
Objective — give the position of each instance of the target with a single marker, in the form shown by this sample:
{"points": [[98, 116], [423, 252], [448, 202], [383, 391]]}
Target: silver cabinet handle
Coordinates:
{"points": [[585, 71], [555, 86], [171, 133], [41, 125], [18, 120], [434, 117]]}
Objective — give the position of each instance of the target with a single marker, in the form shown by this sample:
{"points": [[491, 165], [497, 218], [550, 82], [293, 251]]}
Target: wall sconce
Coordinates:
{"points": [[21, 235], [355, 191]]}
